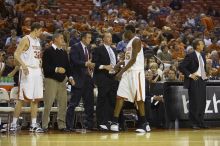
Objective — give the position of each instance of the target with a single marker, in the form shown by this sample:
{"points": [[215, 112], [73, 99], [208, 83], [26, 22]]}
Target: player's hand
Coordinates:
{"points": [[61, 70], [25, 70], [108, 67], [118, 76], [194, 76]]}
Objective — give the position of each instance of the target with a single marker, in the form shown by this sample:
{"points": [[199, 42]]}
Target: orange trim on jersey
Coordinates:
{"points": [[140, 89]]}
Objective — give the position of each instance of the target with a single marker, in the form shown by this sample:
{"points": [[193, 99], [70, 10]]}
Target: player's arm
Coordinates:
{"points": [[136, 45], [22, 46]]}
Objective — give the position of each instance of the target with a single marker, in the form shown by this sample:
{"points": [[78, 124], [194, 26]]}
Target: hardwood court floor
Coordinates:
{"points": [[183, 137]]}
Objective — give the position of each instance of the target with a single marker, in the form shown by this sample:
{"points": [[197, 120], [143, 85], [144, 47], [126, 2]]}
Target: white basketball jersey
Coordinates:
{"points": [[32, 57], [139, 63]]}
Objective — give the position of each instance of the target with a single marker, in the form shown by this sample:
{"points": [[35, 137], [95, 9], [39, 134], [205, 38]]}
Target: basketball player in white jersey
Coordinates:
{"points": [[132, 84], [28, 54]]}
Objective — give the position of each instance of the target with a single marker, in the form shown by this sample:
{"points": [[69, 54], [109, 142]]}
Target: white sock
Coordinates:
{"points": [[14, 121], [34, 121]]}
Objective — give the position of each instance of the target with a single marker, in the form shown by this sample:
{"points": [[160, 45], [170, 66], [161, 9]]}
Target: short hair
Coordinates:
{"points": [[83, 34], [196, 42], [35, 25], [103, 34], [56, 35], [130, 27]]}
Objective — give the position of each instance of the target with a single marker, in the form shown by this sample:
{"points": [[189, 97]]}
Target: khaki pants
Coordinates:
{"points": [[55, 90]]}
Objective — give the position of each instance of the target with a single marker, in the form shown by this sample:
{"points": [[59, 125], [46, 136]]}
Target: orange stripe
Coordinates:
{"points": [[140, 89]]}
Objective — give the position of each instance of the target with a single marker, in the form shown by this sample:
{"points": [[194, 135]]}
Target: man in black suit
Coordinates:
{"points": [[81, 64], [193, 67], [105, 59]]}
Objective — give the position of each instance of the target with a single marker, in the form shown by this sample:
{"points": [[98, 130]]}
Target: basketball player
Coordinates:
{"points": [[28, 54], [132, 84]]}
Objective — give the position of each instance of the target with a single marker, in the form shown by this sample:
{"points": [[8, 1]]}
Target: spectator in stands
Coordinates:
{"points": [[214, 45], [57, 22], [20, 8], [207, 22], [165, 56], [12, 42], [167, 33], [97, 3], [157, 73], [74, 37], [212, 73], [153, 10], [26, 28], [215, 59], [153, 103], [16, 24], [43, 10], [177, 51], [121, 46], [207, 39], [49, 26], [164, 9], [172, 75], [13, 36], [69, 24], [11, 69], [176, 4], [95, 14]]}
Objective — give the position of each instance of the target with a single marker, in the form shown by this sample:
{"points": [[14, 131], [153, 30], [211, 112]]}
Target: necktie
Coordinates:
{"points": [[86, 54], [112, 58], [203, 74]]}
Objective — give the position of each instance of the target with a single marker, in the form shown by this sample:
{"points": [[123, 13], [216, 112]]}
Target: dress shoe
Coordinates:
{"points": [[195, 127], [64, 130], [203, 126]]}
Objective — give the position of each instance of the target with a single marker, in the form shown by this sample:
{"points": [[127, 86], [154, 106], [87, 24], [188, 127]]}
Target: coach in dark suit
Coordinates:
{"points": [[81, 65], [193, 67], [56, 72], [105, 58]]}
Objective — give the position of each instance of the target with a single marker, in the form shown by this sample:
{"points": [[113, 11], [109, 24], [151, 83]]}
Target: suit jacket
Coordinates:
{"points": [[77, 63], [190, 65], [101, 57], [149, 94]]}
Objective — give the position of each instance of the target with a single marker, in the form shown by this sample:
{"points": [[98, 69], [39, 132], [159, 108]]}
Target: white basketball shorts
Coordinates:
{"points": [[132, 86], [31, 85]]}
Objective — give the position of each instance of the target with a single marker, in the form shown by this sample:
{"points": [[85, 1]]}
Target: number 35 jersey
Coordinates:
{"points": [[139, 63], [32, 56]]}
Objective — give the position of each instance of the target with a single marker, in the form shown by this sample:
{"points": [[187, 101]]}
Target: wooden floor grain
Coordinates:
{"points": [[184, 137]]}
